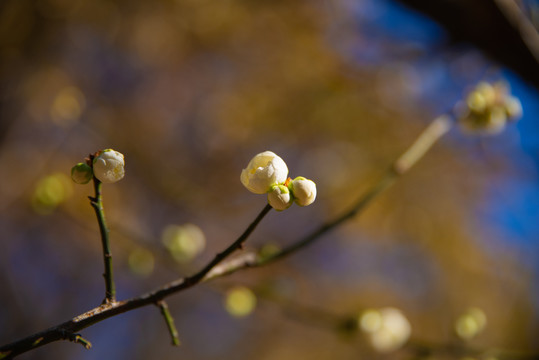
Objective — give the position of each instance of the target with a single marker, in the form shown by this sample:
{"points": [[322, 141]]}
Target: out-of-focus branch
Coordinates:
{"points": [[437, 128], [527, 30], [498, 28], [420, 349]]}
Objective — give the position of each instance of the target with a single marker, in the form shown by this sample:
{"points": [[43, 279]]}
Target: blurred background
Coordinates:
{"points": [[189, 91]]}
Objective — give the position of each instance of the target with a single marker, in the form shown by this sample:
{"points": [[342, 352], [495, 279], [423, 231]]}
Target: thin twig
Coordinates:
{"points": [[97, 204], [170, 322], [108, 310], [229, 250], [436, 129], [426, 139]]}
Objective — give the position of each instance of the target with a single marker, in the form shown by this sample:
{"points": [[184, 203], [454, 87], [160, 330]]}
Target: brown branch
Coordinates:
{"points": [[217, 267], [68, 330]]}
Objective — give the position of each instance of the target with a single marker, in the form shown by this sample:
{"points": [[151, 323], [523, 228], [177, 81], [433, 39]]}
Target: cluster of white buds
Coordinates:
{"points": [[488, 108], [267, 173], [387, 328], [107, 166]]}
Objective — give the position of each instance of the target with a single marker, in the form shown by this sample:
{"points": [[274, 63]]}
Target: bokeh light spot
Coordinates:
{"points": [[141, 262], [370, 320], [184, 242], [67, 106], [471, 323], [240, 301], [50, 192]]}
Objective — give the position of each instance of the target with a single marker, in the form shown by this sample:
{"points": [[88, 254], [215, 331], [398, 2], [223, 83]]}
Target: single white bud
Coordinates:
{"points": [[81, 173], [279, 197], [109, 166], [263, 171], [303, 190]]}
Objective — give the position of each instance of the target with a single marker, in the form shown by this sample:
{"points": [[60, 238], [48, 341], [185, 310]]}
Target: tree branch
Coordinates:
{"points": [[66, 330], [216, 267]]}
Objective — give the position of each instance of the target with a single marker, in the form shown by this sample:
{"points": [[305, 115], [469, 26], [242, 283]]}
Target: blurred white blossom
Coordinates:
{"points": [[388, 329], [488, 108]]}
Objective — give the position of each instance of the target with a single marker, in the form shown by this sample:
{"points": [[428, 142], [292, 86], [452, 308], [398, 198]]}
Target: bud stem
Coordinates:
{"points": [[97, 204]]}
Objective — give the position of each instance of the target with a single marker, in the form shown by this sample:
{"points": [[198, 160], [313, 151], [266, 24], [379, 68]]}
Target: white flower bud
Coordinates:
{"points": [[279, 197], [109, 166], [81, 173], [303, 190], [263, 171]]}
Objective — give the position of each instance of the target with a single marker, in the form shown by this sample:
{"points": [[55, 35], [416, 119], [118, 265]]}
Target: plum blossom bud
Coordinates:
{"points": [[81, 173], [109, 166], [263, 171], [388, 329], [488, 108], [279, 197], [303, 190]]}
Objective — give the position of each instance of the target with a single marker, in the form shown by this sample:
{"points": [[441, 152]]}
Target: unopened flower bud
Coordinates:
{"points": [[109, 166], [279, 197], [387, 328], [81, 173], [303, 190], [263, 171], [513, 108], [488, 108]]}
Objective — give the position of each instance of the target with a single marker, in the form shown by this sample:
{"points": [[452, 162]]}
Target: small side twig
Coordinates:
{"points": [[112, 309], [170, 322], [77, 339]]}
